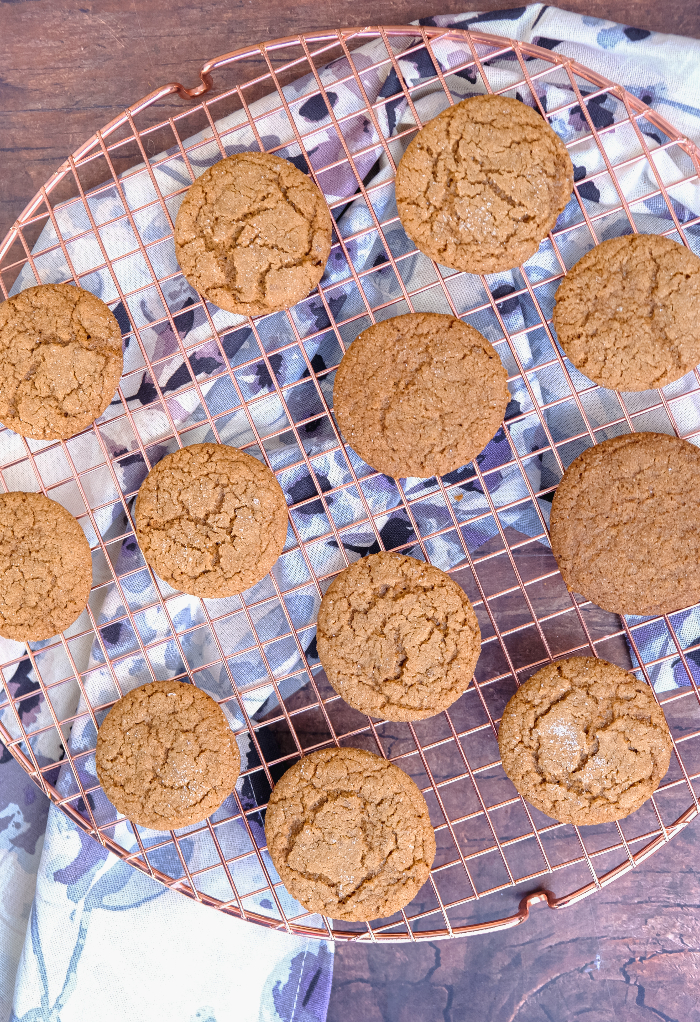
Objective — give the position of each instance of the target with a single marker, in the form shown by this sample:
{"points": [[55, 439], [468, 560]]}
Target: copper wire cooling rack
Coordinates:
{"points": [[363, 91]]}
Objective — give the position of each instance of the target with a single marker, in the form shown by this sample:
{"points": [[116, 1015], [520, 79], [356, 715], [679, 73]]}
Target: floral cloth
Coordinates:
{"points": [[102, 940]]}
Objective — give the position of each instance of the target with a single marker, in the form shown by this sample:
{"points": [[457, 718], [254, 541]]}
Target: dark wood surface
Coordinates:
{"points": [[628, 954]]}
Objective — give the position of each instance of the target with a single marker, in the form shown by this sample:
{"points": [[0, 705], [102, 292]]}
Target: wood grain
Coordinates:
{"points": [[67, 67], [629, 953]]}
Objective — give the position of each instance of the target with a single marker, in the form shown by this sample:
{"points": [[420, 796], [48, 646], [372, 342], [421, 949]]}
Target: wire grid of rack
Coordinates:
{"points": [[493, 848]]}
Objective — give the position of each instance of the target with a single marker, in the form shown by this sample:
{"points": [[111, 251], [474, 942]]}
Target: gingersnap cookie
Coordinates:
{"points": [[253, 234], [628, 313], [349, 834], [420, 394], [210, 520], [482, 184], [45, 567], [60, 361], [397, 638], [166, 756], [625, 524], [584, 741]]}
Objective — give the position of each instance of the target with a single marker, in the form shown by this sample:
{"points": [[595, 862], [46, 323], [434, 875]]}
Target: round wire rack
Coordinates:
{"points": [[342, 105]]}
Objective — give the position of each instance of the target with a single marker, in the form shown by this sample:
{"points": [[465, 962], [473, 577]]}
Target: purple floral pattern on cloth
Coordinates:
{"points": [[89, 907]]}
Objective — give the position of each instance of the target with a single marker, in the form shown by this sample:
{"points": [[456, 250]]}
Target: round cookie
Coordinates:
{"points": [[420, 394], [584, 741], [210, 520], [45, 567], [625, 524], [253, 234], [349, 834], [166, 756], [482, 184], [628, 313], [397, 637], [60, 360]]}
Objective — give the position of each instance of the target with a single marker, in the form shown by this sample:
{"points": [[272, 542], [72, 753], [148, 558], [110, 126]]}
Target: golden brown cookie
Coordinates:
{"points": [[45, 567], [420, 394], [480, 186], [628, 313], [60, 360], [625, 524], [253, 234], [166, 756], [397, 637], [210, 520], [349, 834], [584, 741]]}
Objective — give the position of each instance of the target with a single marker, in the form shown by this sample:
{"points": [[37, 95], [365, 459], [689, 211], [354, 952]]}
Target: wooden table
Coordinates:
{"points": [[628, 954]]}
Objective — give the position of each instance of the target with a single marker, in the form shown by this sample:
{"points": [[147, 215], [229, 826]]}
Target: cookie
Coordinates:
{"points": [[625, 524], [45, 567], [253, 234], [420, 395], [349, 834], [584, 741], [210, 520], [60, 361], [397, 637], [482, 184], [628, 314], [166, 756]]}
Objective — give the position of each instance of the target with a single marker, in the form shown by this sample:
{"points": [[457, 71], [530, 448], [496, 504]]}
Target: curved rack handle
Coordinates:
{"points": [[521, 916], [507, 923], [206, 84], [526, 903]]}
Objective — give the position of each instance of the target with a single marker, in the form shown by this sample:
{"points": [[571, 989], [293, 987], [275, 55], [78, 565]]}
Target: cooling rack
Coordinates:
{"points": [[342, 105]]}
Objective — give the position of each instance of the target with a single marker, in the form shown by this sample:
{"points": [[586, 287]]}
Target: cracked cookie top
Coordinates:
{"points": [[624, 524], [420, 394], [60, 360], [210, 520], [481, 184], [45, 567], [628, 313], [397, 637], [349, 834], [253, 234], [166, 756], [584, 741]]}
